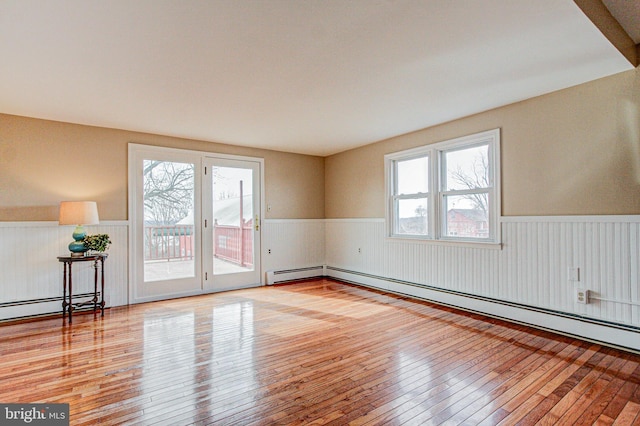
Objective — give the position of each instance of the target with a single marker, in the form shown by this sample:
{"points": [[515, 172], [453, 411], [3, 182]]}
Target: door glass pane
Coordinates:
{"points": [[466, 216], [168, 220], [233, 220]]}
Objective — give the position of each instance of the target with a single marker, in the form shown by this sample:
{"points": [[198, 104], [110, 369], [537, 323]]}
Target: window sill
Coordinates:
{"points": [[489, 245]]}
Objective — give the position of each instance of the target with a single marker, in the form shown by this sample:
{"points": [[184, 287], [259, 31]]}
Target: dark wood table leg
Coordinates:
{"points": [[95, 286], [70, 293], [64, 290], [102, 288]]}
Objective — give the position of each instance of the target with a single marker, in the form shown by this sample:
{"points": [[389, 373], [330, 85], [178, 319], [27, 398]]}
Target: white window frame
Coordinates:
{"points": [[395, 197], [437, 194]]}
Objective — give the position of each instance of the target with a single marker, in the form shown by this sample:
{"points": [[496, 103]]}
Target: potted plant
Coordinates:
{"points": [[97, 243]]}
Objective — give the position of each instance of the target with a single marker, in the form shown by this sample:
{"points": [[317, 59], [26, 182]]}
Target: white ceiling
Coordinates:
{"points": [[307, 76]]}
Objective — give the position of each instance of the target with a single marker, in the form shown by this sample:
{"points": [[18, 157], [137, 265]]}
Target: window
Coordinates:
{"points": [[446, 191]]}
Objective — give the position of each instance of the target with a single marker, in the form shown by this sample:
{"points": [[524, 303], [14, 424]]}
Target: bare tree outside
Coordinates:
{"points": [[474, 176], [468, 173], [221, 185], [168, 199], [421, 211], [168, 191]]}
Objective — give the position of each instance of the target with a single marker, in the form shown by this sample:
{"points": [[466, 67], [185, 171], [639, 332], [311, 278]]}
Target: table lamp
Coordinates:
{"points": [[78, 213]]}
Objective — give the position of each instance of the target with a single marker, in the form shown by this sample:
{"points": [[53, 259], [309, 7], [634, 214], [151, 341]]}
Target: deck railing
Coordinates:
{"points": [[175, 242], [168, 242], [234, 245]]}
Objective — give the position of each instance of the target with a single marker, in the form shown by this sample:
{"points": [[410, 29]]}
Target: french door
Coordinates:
{"points": [[195, 222], [231, 234]]}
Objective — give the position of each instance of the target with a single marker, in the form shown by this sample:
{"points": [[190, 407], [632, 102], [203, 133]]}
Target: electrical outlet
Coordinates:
{"points": [[269, 251], [581, 296]]}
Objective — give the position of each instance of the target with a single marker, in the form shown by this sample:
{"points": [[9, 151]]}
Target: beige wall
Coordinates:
{"points": [[571, 152], [44, 162]]}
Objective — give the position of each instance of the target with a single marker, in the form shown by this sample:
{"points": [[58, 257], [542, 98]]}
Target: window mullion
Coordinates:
{"points": [[435, 198]]}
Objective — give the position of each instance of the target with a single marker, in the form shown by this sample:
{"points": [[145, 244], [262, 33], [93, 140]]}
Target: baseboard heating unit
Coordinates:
{"points": [[274, 277], [592, 329]]}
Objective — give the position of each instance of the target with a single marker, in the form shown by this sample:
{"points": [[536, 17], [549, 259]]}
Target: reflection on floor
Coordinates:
{"points": [[316, 352], [158, 270]]}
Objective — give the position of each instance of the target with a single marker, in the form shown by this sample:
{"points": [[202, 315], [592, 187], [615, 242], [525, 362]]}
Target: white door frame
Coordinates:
{"points": [[136, 154], [221, 282]]}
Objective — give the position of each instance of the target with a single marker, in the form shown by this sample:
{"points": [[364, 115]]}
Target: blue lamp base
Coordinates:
{"points": [[77, 247]]}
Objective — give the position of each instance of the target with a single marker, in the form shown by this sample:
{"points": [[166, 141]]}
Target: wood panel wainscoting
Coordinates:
{"points": [[313, 352]]}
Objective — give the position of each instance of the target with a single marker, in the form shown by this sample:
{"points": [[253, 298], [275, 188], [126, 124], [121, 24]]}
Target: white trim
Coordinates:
{"points": [[191, 294], [294, 220], [513, 219], [483, 244], [355, 219], [572, 219], [48, 223], [34, 224], [504, 219], [471, 139]]}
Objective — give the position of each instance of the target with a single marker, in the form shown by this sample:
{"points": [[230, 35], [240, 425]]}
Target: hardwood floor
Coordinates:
{"points": [[313, 352]]}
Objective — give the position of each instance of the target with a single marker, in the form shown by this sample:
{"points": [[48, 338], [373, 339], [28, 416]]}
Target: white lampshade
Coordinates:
{"points": [[79, 213]]}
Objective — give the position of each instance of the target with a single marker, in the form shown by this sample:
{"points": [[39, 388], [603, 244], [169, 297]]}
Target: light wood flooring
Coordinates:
{"points": [[313, 352]]}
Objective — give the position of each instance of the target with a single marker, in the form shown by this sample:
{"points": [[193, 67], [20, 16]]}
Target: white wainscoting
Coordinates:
{"points": [[525, 280], [31, 276], [293, 245], [531, 269]]}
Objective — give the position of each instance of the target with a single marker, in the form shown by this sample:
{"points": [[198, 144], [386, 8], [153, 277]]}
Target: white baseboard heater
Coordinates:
{"points": [[599, 331], [274, 277], [37, 307]]}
